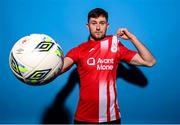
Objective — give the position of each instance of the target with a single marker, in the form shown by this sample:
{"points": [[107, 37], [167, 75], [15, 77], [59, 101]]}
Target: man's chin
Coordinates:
{"points": [[97, 37]]}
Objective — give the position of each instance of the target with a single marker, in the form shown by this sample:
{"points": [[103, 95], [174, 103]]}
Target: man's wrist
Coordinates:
{"points": [[132, 38]]}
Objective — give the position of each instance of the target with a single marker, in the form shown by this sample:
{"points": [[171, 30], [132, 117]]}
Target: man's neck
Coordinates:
{"points": [[94, 39]]}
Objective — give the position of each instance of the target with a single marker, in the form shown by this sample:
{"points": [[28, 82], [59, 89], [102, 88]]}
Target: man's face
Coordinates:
{"points": [[97, 27]]}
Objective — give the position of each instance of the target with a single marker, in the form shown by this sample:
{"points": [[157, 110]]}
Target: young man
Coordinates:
{"points": [[97, 61]]}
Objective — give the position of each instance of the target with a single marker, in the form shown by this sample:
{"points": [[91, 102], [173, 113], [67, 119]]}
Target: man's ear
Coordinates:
{"points": [[87, 25], [108, 25]]}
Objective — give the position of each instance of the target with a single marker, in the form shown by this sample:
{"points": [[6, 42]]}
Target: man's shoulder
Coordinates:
{"points": [[83, 44]]}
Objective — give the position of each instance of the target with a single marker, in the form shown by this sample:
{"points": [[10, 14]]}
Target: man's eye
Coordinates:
{"points": [[102, 23], [93, 23]]}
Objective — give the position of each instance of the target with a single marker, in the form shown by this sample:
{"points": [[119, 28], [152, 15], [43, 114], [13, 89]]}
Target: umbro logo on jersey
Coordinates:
{"points": [[91, 49]]}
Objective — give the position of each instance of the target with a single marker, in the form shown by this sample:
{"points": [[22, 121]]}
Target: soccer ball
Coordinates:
{"points": [[36, 59]]}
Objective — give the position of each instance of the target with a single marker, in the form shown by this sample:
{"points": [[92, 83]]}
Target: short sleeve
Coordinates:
{"points": [[125, 53], [73, 54]]}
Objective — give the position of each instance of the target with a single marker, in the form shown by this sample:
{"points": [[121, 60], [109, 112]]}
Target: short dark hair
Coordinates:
{"points": [[97, 12]]}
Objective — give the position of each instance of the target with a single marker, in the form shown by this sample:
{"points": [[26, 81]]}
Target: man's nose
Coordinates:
{"points": [[97, 27]]}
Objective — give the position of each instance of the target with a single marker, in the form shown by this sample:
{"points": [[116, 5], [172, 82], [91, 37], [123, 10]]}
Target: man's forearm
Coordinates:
{"points": [[143, 51]]}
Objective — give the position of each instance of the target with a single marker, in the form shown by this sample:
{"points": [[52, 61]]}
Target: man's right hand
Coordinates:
{"points": [[67, 64]]}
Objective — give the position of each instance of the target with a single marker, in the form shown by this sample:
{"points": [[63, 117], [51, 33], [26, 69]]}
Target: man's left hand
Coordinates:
{"points": [[124, 34]]}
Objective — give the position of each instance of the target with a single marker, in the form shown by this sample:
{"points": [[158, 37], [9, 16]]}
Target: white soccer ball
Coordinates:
{"points": [[36, 59]]}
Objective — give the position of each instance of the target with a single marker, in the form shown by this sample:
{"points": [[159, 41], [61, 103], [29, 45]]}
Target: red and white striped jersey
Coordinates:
{"points": [[97, 62]]}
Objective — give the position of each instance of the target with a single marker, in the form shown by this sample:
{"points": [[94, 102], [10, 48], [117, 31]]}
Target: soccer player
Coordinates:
{"points": [[97, 61]]}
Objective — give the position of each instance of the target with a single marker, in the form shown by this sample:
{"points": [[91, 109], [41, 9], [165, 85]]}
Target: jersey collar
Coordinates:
{"points": [[97, 41]]}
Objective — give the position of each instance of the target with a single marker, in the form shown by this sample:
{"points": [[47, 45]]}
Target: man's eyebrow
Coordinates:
{"points": [[93, 20], [103, 21]]}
